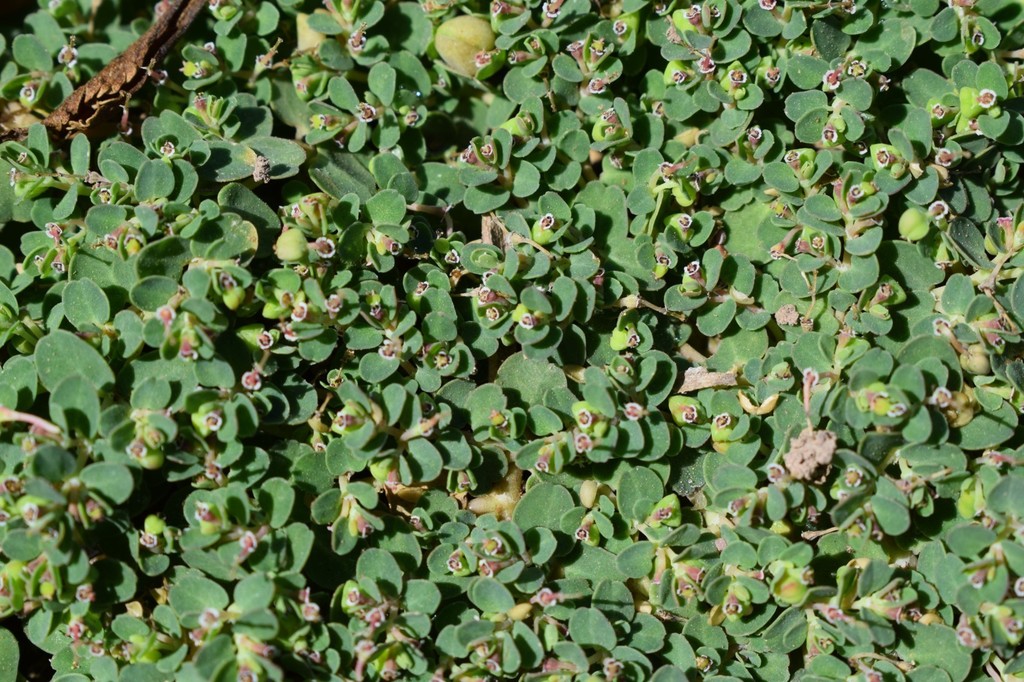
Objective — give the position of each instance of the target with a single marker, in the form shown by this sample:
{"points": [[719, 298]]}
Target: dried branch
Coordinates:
{"points": [[124, 76]]}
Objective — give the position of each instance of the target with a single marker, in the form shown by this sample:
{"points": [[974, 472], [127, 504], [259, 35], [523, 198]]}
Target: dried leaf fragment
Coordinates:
{"points": [[810, 455], [787, 315], [696, 378]]}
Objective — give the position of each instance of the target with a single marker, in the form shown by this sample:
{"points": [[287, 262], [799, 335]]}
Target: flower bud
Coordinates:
{"points": [[940, 113], [666, 512], [544, 229], [587, 532], [685, 411], [588, 419], [722, 427]]}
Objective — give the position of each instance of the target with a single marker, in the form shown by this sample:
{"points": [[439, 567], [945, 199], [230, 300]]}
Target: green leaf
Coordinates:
{"points": [[490, 596], [387, 207], [639, 490], [381, 80], [637, 560], [787, 632], [892, 516], [829, 40], [527, 381], [485, 198], [165, 257], [805, 71], [1007, 497], [150, 293], [542, 505], [60, 354], [339, 173], [80, 153], [380, 567], [277, 499], [105, 218], [113, 481], [75, 407], [969, 241], [243, 201], [194, 593], [30, 53], [936, 645], [85, 304], [781, 177], [527, 180], [590, 627], [155, 181], [10, 656]]}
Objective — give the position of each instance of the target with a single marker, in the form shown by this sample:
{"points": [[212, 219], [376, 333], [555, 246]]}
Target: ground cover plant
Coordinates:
{"points": [[366, 340]]}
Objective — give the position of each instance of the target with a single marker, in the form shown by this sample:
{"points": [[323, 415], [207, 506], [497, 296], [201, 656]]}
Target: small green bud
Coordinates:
{"points": [[971, 499], [915, 224], [678, 73], [722, 427], [588, 493], [685, 411], [384, 470], [154, 525], [544, 229], [520, 611], [233, 297], [624, 338]]}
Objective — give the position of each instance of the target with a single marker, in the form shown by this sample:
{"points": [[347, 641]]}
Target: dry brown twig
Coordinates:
{"points": [[125, 75]]}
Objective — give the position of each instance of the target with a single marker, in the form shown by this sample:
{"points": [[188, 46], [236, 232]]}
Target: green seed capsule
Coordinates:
{"points": [[154, 525], [914, 224], [291, 246], [459, 40]]}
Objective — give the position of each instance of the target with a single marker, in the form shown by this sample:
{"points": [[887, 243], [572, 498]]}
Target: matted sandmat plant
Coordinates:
{"points": [[567, 341]]}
